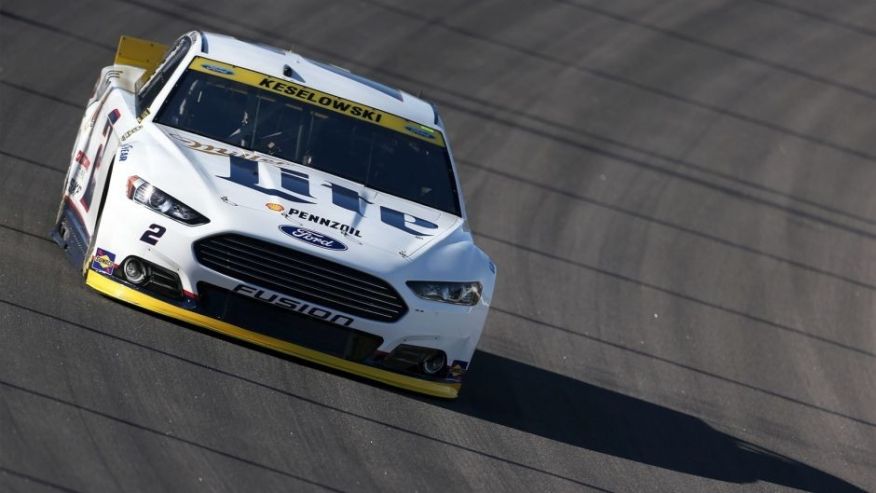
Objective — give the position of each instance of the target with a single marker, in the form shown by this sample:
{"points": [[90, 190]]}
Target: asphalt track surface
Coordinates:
{"points": [[680, 199]]}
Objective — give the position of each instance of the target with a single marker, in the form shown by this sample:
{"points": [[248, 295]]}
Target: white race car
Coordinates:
{"points": [[280, 200]]}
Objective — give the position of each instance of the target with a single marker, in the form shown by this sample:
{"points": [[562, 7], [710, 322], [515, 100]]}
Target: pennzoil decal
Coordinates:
{"points": [[316, 98], [324, 221], [104, 261]]}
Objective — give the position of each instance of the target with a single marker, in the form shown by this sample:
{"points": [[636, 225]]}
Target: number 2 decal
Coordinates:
{"points": [[152, 234]]}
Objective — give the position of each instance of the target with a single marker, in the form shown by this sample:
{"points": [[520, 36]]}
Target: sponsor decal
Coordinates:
{"points": [[457, 368], [324, 221], [234, 153], [293, 305], [316, 98], [114, 116], [314, 238], [104, 261], [101, 86], [321, 99], [492, 267], [107, 133], [131, 132], [275, 207], [295, 187], [217, 69], [78, 178], [124, 150], [82, 159]]}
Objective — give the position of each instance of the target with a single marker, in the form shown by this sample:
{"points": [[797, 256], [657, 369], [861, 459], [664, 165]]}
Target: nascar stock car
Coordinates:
{"points": [[283, 201]]}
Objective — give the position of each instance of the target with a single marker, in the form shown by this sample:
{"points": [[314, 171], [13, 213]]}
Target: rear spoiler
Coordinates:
{"points": [[140, 53]]}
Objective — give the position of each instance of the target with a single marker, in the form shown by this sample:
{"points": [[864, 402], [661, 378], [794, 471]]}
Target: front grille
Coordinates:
{"points": [[286, 325], [304, 276]]}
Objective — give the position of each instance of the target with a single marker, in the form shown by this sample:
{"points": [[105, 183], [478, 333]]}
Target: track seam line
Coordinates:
{"points": [[675, 294], [169, 435], [37, 480], [819, 17], [27, 233], [42, 94], [732, 52], [618, 79], [683, 366], [739, 194], [31, 161], [661, 222], [78, 37]]}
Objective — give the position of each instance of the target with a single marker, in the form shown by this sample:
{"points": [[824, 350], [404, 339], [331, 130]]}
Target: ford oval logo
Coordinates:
{"points": [[314, 238], [218, 69], [422, 132]]}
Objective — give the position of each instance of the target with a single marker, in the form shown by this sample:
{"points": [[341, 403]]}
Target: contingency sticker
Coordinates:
{"points": [[275, 207], [457, 369], [104, 261]]}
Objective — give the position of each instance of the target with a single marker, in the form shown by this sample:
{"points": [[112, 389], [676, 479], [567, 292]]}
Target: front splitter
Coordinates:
{"points": [[121, 292]]}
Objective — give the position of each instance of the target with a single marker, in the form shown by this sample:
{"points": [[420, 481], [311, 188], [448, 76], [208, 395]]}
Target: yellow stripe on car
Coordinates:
{"points": [[121, 292], [319, 99]]}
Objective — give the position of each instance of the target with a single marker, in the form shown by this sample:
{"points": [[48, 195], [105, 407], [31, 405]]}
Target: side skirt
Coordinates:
{"points": [[70, 235]]}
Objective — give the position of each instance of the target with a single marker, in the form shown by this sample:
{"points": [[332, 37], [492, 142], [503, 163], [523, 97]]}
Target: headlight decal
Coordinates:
{"points": [[456, 293], [144, 193]]}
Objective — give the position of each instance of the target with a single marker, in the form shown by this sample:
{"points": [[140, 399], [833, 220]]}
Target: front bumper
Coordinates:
{"points": [[117, 290]]}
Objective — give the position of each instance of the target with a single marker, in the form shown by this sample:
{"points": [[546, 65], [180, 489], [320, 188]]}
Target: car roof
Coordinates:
{"points": [[319, 75]]}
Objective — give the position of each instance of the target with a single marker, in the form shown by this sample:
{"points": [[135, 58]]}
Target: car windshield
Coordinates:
{"points": [[256, 119]]}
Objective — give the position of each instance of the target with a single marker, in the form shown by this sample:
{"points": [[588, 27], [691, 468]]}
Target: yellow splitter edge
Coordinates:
{"points": [[134, 297]]}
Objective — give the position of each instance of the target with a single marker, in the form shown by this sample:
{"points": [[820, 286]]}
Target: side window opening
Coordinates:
{"points": [[171, 61]]}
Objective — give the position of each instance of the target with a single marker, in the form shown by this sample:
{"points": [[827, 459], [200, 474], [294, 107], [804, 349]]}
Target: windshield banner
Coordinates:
{"points": [[317, 98]]}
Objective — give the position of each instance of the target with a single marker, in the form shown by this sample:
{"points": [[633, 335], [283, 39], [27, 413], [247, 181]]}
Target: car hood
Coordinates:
{"points": [[344, 215]]}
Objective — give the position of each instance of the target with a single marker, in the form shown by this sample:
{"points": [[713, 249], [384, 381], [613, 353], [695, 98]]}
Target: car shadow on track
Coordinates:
{"points": [[560, 408], [556, 407]]}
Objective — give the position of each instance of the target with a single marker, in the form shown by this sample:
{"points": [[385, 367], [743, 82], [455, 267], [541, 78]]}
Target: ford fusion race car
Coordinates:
{"points": [[282, 201]]}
